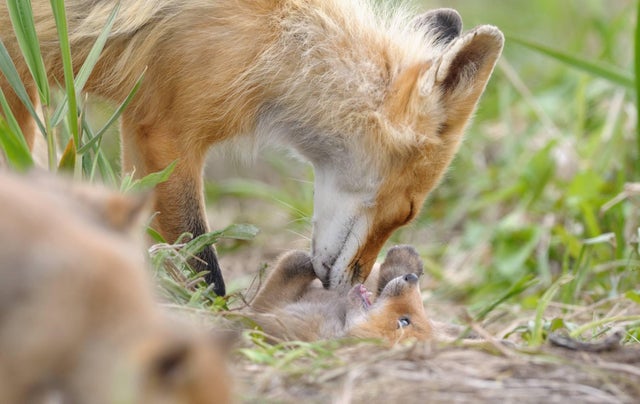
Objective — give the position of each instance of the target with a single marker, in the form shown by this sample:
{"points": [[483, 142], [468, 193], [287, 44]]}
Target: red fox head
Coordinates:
{"points": [[397, 313], [400, 144]]}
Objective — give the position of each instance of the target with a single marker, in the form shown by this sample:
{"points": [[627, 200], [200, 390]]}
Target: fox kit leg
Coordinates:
{"points": [[400, 260], [179, 200], [287, 282]]}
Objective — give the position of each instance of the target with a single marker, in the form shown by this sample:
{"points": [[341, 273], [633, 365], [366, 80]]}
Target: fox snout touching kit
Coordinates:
{"points": [[376, 101], [292, 306]]}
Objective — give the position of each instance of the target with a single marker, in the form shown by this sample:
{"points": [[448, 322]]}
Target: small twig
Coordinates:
{"points": [[610, 343]]}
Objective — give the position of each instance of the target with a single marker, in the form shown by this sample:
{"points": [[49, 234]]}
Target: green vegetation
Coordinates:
{"points": [[536, 225]]}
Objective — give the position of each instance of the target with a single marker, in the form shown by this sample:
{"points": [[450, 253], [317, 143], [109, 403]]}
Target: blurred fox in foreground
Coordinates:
{"points": [[78, 319], [290, 306], [375, 99]]}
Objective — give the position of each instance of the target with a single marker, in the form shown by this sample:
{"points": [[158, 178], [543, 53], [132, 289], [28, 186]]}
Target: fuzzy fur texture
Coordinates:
{"points": [[291, 305], [79, 322], [376, 100]]}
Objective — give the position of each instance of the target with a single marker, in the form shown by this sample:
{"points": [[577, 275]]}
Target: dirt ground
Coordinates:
{"points": [[435, 372], [427, 373]]}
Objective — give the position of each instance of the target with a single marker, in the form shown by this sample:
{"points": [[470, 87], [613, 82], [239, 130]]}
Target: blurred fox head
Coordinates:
{"points": [[397, 313]]}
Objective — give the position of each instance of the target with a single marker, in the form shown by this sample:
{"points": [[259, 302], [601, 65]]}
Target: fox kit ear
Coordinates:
{"points": [[439, 26], [126, 212], [463, 72]]}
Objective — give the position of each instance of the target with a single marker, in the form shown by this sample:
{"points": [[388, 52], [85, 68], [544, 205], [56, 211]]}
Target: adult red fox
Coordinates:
{"points": [[377, 101], [289, 306], [78, 319]]}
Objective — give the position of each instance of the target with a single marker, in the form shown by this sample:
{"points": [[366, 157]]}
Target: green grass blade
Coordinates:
{"points": [[21, 16], [603, 321], [11, 74], [11, 139], [149, 181], [98, 162], [106, 170], [96, 50], [89, 64], [610, 73], [113, 118], [10, 120], [516, 289], [234, 231], [68, 158], [60, 17], [543, 303]]}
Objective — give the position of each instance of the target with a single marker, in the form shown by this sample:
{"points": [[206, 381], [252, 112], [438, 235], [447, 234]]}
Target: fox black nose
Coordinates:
{"points": [[411, 278]]}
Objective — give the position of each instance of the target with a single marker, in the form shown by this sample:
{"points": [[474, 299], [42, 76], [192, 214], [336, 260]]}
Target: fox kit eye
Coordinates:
{"points": [[404, 321]]}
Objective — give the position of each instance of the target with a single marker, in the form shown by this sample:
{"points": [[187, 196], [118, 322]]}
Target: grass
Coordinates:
{"points": [[536, 227]]}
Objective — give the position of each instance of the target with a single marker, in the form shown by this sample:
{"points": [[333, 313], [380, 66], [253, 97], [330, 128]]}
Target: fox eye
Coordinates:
{"points": [[404, 321]]}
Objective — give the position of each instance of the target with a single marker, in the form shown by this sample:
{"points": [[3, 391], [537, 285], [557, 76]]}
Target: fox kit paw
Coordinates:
{"points": [[295, 265], [400, 260]]}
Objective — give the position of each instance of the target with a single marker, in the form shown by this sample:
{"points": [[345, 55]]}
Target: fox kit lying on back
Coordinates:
{"points": [[78, 320], [375, 100], [290, 307]]}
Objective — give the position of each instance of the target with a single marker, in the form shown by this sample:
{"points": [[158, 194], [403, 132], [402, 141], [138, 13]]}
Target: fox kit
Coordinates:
{"points": [[290, 306], [78, 321], [376, 101]]}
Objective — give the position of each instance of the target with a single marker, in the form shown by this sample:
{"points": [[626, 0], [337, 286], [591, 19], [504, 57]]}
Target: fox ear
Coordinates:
{"points": [[439, 26], [403, 90], [463, 72]]}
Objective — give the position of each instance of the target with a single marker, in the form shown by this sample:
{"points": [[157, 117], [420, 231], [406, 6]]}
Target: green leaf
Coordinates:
{"points": [[12, 140], [114, 117], [11, 74], [88, 65], [234, 231], [16, 153], [257, 356], [60, 17], [155, 235], [514, 245], [543, 303], [21, 16], [609, 73], [148, 182], [68, 158], [633, 295]]}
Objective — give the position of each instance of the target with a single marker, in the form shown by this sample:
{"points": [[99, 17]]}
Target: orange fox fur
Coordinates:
{"points": [[291, 306], [78, 319], [376, 100]]}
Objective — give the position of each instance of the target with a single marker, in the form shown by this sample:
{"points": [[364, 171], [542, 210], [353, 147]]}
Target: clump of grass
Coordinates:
{"points": [[179, 282]]}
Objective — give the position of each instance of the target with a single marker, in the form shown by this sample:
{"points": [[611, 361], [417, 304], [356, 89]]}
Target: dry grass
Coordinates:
{"points": [[418, 373]]}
